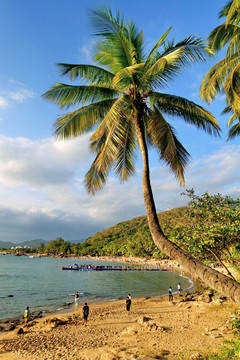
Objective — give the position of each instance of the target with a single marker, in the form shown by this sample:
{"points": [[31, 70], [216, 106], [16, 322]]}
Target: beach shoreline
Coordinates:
{"points": [[68, 305], [165, 264], [155, 326]]}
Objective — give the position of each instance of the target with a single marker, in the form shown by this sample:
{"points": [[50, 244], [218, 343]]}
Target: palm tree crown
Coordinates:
{"points": [[225, 74], [125, 82]]}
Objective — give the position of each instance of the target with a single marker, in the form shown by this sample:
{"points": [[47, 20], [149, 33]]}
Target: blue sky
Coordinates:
{"points": [[41, 179]]}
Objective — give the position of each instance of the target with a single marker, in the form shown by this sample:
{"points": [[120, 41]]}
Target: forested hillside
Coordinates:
{"points": [[208, 228]]}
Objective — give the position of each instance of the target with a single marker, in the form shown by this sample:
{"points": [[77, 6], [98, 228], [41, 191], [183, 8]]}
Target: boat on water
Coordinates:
{"points": [[86, 267]]}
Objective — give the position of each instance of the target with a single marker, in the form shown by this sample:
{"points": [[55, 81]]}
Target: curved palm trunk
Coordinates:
{"points": [[213, 278]]}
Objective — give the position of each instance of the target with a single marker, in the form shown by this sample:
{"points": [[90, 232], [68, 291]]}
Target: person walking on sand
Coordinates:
{"points": [[170, 294], [179, 288], [128, 304], [85, 313], [27, 315]]}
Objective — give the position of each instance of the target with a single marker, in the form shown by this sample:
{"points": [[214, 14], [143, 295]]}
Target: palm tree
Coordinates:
{"points": [[225, 74], [119, 99]]}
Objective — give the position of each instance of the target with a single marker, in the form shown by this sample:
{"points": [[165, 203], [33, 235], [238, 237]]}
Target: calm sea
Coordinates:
{"points": [[41, 284]]}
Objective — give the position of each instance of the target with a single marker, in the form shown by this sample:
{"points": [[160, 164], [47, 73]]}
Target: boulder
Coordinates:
{"points": [[219, 299], [20, 331], [143, 320], [205, 297], [54, 322]]}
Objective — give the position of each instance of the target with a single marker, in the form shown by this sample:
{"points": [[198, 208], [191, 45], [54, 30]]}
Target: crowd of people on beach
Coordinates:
{"points": [[85, 308]]}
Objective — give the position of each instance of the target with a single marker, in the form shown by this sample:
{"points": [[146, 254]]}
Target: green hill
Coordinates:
{"points": [[132, 237]]}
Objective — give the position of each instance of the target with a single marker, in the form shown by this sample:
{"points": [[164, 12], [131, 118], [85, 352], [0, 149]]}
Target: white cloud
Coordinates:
{"points": [[21, 95], [3, 102], [42, 193], [40, 163], [86, 51], [13, 92]]}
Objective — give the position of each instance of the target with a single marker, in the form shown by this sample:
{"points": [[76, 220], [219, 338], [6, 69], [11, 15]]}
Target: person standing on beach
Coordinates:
{"points": [[85, 313], [27, 315], [128, 304], [76, 299], [179, 288], [170, 294]]}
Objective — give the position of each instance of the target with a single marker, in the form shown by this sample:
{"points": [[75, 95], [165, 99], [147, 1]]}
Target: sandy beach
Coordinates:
{"points": [[154, 329]]}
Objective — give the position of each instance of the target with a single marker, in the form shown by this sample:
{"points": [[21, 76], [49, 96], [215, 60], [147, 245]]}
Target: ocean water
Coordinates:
{"points": [[41, 284]]}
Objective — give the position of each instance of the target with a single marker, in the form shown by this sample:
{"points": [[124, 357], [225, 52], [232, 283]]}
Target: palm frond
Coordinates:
{"points": [[89, 73], [78, 122], [114, 33], [95, 178], [125, 78], [188, 110], [167, 64], [160, 42], [67, 95], [234, 131], [136, 39], [233, 11], [163, 137], [221, 35], [108, 142], [234, 47], [109, 130], [232, 119], [214, 80], [235, 82], [127, 147]]}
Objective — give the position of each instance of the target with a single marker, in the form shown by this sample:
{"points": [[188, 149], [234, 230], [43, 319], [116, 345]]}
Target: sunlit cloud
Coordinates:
{"points": [[21, 95], [4, 103], [42, 189]]}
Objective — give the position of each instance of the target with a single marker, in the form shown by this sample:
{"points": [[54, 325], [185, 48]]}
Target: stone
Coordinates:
{"points": [[196, 356], [20, 331], [215, 336], [152, 327], [205, 298], [143, 320]]}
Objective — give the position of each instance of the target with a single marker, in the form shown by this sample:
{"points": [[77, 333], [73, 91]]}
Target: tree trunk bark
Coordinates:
{"points": [[194, 267]]}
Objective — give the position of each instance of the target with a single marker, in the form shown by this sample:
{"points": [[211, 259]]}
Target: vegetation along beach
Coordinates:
{"points": [[142, 258]]}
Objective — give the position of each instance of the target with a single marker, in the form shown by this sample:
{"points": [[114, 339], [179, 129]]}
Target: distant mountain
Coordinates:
{"points": [[33, 243], [6, 244]]}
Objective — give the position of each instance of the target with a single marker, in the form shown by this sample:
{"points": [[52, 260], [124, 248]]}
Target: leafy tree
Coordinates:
{"points": [[123, 103], [214, 229], [225, 74]]}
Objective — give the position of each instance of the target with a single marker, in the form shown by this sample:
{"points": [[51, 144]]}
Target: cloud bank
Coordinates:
{"points": [[42, 193]]}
